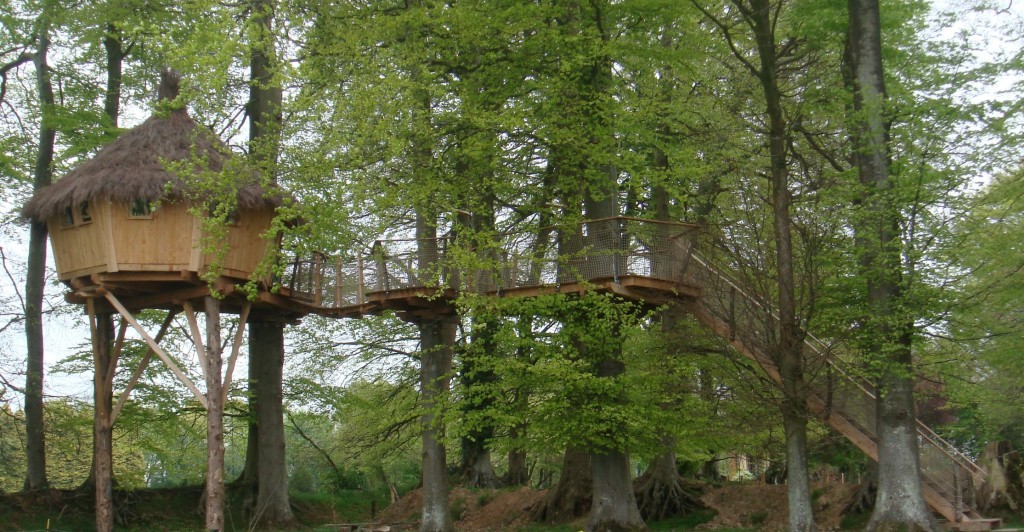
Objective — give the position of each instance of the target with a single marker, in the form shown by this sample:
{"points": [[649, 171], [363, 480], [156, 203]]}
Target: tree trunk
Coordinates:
{"points": [[614, 505], [660, 491], [571, 497], [264, 110], [115, 58], [35, 279], [476, 469], [798, 486], [1003, 489], [518, 472], [900, 502], [102, 442], [267, 350], [214, 420], [436, 338]]}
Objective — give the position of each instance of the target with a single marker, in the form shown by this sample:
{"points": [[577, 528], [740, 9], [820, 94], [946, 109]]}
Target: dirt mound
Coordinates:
{"points": [[761, 506], [473, 510], [765, 505]]}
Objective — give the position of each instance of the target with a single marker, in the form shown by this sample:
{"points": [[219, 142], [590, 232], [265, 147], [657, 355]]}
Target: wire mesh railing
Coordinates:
{"points": [[755, 324]]}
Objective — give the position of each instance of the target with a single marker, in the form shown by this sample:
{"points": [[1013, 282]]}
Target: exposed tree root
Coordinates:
{"points": [[572, 497], [659, 497]]}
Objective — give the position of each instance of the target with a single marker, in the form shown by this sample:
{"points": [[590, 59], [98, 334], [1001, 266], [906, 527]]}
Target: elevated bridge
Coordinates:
{"points": [[644, 261]]}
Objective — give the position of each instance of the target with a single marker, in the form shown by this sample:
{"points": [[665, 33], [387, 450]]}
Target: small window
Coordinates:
{"points": [[140, 208], [83, 211], [69, 216], [231, 218]]}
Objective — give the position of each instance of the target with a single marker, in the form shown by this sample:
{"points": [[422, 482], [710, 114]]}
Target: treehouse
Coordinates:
{"points": [[133, 220]]}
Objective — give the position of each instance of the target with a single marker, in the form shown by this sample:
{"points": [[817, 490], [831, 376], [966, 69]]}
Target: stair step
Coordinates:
{"points": [[975, 525]]}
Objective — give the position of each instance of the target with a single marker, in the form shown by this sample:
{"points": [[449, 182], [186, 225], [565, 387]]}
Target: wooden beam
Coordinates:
{"points": [[137, 374], [236, 346], [197, 337], [116, 354], [158, 350]]}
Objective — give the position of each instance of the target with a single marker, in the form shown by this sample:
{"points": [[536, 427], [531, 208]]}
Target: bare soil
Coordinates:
{"points": [[750, 506], [764, 506], [756, 506]]}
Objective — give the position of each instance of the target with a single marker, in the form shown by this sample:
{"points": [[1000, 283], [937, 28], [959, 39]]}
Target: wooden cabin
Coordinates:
{"points": [[131, 207], [103, 235]]}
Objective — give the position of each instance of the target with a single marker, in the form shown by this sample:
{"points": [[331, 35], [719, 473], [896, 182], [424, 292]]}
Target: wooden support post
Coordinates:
{"points": [[101, 329], [116, 354], [157, 349], [236, 346], [197, 337], [338, 283], [137, 374], [214, 420], [361, 288]]}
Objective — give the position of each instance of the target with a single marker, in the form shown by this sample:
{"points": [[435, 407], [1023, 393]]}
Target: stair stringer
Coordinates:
{"points": [[940, 495]]}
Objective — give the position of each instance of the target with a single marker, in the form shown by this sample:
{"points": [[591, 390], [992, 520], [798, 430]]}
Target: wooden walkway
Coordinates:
{"points": [[643, 261], [640, 260]]}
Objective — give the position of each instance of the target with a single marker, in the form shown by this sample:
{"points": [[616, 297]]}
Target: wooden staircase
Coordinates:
{"points": [[840, 398]]}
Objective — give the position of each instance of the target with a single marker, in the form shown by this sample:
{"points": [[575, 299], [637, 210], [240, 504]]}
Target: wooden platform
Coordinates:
{"points": [[170, 290]]}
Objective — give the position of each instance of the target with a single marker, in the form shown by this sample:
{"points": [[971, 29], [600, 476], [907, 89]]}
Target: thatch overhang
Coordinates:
{"points": [[135, 167]]}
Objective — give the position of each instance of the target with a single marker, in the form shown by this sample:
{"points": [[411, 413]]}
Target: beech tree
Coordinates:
{"points": [[899, 504]]}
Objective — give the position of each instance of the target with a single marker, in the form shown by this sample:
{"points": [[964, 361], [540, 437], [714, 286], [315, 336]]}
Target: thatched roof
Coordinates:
{"points": [[134, 167]]}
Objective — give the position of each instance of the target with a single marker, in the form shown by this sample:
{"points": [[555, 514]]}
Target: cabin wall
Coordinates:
{"points": [[162, 242], [246, 247], [169, 240], [82, 248]]}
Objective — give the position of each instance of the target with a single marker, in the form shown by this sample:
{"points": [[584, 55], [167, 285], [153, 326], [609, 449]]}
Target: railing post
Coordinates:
{"points": [[361, 285], [339, 279], [958, 493], [317, 279]]}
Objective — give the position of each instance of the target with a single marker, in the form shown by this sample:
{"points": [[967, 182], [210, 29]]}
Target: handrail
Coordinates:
{"points": [[930, 440]]}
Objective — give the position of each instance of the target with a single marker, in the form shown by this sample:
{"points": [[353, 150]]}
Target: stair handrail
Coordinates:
{"points": [[821, 350]]}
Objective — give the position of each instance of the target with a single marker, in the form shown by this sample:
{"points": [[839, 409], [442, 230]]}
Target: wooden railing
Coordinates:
{"points": [[610, 248], [836, 391]]}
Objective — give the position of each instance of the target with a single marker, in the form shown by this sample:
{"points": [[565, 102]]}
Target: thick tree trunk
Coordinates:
{"points": [[798, 486], [900, 502], [264, 110], [518, 472], [661, 492], [436, 338], [115, 58], [572, 495], [214, 419], [1003, 489], [614, 505], [35, 279], [267, 349], [476, 469], [102, 442]]}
